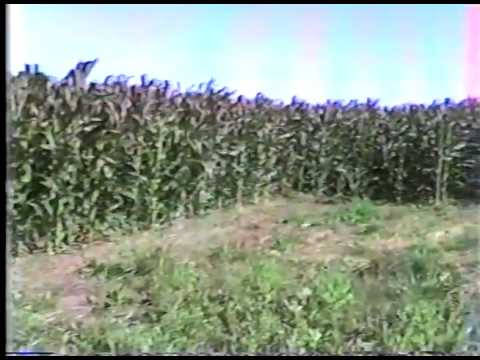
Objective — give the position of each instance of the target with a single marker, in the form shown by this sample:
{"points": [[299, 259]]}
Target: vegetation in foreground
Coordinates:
{"points": [[288, 275]]}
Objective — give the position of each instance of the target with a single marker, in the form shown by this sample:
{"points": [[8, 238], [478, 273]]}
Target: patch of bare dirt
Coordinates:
{"points": [[37, 275], [446, 233], [324, 245], [257, 227], [393, 244], [246, 227], [252, 231]]}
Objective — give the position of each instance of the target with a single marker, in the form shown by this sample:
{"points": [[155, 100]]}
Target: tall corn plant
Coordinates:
{"points": [[94, 158]]}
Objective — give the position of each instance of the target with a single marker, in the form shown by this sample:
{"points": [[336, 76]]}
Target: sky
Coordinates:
{"points": [[395, 53]]}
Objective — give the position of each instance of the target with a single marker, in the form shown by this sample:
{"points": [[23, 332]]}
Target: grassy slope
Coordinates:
{"points": [[285, 275]]}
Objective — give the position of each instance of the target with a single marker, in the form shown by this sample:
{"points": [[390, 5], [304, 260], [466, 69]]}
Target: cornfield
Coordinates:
{"points": [[87, 158]]}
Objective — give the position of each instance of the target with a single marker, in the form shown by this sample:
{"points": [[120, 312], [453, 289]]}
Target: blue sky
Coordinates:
{"points": [[397, 53]]}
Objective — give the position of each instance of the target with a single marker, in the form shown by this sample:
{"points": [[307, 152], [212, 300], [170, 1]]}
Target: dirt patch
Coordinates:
{"points": [[37, 275], [246, 227], [393, 244], [324, 245], [446, 234], [252, 231]]}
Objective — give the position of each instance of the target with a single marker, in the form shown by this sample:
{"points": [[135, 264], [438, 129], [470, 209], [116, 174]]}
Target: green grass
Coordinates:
{"points": [[260, 302], [256, 300], [360, 211]]}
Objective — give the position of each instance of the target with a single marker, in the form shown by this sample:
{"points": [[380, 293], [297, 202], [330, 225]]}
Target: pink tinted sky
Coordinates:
{"points": [[472, 58]]}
